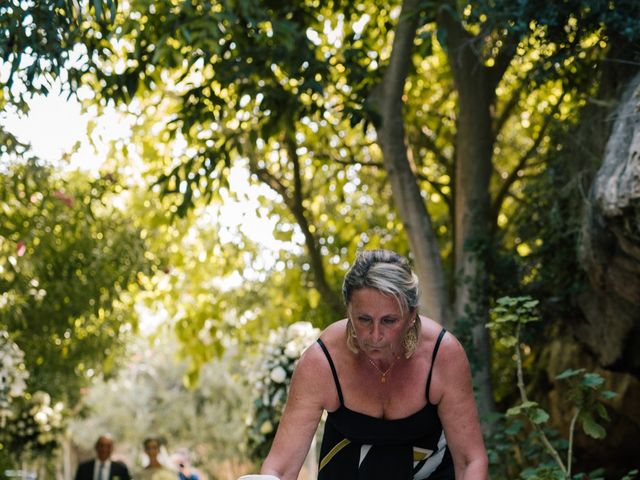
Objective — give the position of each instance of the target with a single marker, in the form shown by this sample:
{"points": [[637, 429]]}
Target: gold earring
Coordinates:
{"points": [[410, 340]]}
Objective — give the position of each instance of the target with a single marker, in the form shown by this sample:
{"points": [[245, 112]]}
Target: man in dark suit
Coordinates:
{"points": [[102, 467]]}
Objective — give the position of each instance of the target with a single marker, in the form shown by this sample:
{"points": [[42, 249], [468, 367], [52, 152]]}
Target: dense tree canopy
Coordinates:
{"points": [[68, 262]]}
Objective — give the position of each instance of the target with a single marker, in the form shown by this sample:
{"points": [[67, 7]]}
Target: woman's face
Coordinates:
{"points": [[152, 449], [378, 321]]}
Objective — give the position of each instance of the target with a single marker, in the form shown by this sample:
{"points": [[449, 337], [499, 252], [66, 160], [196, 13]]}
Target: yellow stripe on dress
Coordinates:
{"points": [[339, 446], [420, 454]]}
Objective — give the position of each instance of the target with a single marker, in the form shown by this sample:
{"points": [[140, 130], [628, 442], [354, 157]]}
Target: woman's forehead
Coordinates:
{"points": [[370, 298]]}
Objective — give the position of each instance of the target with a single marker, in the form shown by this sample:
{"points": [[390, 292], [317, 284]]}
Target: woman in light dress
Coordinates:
{"points": [[154, 470]]}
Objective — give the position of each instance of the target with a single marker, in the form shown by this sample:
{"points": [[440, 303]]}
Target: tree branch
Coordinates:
{"points": [[506, 111], [513, 175], [294, 202], [313, 250], [525, 399]]}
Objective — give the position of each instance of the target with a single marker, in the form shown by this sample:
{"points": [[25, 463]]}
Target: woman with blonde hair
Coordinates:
{"points": [[395, 384]]}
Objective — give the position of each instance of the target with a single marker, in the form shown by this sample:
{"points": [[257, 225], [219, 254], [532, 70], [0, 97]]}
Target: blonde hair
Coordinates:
{"points": [[386, 271]]}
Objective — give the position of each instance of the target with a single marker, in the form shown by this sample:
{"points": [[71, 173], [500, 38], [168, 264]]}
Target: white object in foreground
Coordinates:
{"points": [[258, 477]]}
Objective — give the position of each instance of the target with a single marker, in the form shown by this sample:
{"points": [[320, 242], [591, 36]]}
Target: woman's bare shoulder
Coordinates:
{"points": [[451, 349], [334, 331], [451, 365], [430, 330], [313, 371], [313, 357]]}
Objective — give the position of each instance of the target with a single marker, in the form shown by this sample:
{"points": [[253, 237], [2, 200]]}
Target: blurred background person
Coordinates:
{"points": [[185, 472], [154, 470], [103, 467]]}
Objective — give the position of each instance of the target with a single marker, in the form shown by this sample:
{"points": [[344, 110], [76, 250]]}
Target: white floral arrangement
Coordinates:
{"points": [[13, 374], [270, 377], [35, 427]]}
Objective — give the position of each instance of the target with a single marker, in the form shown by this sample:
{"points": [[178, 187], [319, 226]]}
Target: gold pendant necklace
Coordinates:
{"points": [[383, 378]]}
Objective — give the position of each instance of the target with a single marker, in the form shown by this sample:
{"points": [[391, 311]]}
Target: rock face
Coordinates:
{"points": [[610, 246]]}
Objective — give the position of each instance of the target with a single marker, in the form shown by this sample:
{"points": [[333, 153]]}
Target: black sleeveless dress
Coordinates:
{"points": [[356, 446]]}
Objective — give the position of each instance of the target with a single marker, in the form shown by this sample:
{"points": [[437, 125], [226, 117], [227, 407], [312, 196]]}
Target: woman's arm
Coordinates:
{"points": [[458, 412], [300, 418]]}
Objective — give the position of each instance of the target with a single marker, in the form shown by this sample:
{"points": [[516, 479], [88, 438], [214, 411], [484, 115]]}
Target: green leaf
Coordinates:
{"points": [[538, 416], [569, 373], [518, 409], [510, 301], [508, 342], [608, 394], [514, 428], [592, 380], [602, 411], [513, 411], [592, 428]]}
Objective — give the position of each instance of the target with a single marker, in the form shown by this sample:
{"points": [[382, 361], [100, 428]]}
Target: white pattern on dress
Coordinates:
{"points": [[433, 461], [364, 449]]}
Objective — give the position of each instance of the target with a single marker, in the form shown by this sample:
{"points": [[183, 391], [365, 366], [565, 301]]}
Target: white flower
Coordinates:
{"points": [[41, 418], [292, 350], [248, 420], [278, 374], [279, 395], [302, 330], [17, 387]]}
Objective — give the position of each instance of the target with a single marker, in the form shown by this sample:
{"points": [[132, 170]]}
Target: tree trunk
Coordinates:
{"points": [[409, 202], [473, 202], [473, 168]]}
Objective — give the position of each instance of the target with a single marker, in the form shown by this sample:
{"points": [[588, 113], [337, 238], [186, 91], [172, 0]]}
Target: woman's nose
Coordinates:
{"points": [[376, 332]]}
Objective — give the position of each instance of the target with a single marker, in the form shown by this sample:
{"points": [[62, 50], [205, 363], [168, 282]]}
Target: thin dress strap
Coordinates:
{"points": [[433, 359], [333, 371]]}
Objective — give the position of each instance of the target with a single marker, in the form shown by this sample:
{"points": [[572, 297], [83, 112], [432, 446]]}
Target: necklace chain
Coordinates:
{"points": [[383, 378]]}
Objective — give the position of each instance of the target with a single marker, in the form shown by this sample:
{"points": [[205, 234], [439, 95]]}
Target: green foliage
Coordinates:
{"points": [[220, 273], [68, 263], [584, 397], [631, 475], [39, 41], [510, 312], [515, 451]]}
